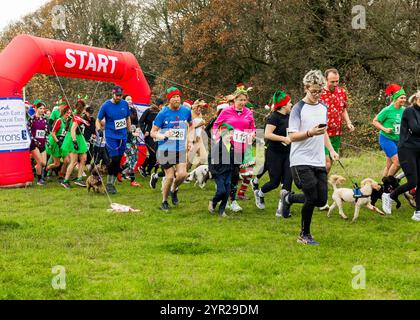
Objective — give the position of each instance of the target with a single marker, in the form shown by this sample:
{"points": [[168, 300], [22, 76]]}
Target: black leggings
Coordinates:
{"points": [[313, 182], [410, 163], [114, 167], [151, 161], [278, 165], [264, 169]]}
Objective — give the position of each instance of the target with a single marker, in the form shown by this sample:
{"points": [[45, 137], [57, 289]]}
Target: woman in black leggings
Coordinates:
{"points": [[278, 150], [409, 151]]}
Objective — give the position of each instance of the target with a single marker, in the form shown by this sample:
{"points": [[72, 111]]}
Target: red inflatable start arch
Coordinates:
{"points": [[26, 56]]}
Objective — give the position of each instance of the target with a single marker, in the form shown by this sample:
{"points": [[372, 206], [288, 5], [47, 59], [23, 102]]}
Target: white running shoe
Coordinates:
{"points": [[259, 201], [387, 203], [416, 216], [235, 207]]}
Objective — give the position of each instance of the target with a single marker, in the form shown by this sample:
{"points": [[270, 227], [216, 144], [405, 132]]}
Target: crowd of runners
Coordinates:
{"points": [[301, 143]]}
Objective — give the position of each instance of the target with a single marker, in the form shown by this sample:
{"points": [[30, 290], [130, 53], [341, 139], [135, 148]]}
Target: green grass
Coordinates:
{"points": [[190, 254]]}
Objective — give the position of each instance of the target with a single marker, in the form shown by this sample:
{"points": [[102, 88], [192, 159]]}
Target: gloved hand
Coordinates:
{"points": [[75, 145]]}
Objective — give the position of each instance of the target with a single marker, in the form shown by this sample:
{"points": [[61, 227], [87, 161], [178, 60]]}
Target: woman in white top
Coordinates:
{"points": [[199, 124]]}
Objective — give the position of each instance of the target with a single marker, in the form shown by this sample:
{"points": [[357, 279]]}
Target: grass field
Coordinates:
{"points": [[190, 254]]}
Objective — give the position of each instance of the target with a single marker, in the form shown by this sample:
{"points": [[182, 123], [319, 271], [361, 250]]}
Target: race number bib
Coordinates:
{"points": [[178, 134], [397, 127], [239, 136], [40, 134], [120, 124]]}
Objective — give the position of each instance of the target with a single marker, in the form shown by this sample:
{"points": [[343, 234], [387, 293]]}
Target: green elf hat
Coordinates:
{"points": [[395, 91], [172, 91], [39, 101], [224, 128], [280, 99]]}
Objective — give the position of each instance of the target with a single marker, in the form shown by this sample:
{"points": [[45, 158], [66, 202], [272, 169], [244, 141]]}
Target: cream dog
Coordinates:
{"points": [[200, 175], [341, 195]]}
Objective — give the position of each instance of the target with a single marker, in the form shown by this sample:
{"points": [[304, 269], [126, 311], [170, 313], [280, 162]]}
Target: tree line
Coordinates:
{"points": [[207, 46]]}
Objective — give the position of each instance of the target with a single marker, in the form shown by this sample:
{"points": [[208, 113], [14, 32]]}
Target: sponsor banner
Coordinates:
{"points": [[14, 134]]}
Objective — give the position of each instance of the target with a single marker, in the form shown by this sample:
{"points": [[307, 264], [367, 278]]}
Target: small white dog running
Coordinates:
{"points": [[341, 195]]}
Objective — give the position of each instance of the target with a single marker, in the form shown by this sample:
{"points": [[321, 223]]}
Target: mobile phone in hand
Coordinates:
{"points": [[322, 125]]}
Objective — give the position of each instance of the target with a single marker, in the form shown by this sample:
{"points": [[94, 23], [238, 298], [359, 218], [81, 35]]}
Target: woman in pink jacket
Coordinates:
{"points": [[242, 120]]}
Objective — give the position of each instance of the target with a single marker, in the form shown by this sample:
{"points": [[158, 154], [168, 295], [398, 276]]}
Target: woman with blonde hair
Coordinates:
{"points": [[198, 143], [242, 120]]}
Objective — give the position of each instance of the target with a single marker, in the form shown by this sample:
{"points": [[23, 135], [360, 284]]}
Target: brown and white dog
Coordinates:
{"points": [[94, 181], [341, 195]]}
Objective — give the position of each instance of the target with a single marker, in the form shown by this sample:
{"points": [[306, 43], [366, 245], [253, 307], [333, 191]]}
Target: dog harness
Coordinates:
{"points": [[357, 193]]}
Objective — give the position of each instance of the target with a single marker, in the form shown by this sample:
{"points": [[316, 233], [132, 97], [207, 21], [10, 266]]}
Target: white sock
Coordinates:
{"points": [[260, 193], [256, 180]]}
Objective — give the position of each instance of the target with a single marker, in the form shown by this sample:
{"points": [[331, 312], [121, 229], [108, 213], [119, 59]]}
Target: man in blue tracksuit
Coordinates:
{"points": [[114, 115]]}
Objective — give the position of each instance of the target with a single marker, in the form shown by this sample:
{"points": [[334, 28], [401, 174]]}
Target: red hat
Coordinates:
{"points": [[189, 103], [280, 99], [172, 91]]}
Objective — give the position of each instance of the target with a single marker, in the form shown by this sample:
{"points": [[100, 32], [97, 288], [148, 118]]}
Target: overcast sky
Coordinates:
{"points": [[12, 10]]}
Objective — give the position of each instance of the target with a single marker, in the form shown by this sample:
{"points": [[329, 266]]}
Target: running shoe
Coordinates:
{"points": [[254, 184], [223, 215], [66, 184], [387, 203], [80, 183], [210, 207], [416, 216], [307, 239], [284, 205], [174, 197], [164, 206], [235, 207], [259, 201], [153, 180], [135, 184], [41, 182]]}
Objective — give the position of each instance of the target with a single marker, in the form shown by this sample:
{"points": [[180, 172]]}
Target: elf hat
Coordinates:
{"points": [[224, 128], [395, 91], [280, 99], [39, 102], [172, 91]]}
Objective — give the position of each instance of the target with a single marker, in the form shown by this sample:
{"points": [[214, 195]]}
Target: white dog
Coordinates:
{"points": [[341, 195], [200, 175]]}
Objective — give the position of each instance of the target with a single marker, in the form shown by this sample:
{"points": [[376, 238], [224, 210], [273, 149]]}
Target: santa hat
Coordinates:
{"points": [[172, 91], [280, 99], [395, 91], [188, 103]]}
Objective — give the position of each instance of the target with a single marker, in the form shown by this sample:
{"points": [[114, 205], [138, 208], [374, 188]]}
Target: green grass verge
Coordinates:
{"points": [[190, 254]]}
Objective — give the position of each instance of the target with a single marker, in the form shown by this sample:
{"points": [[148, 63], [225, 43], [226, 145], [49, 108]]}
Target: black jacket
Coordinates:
{"points": [[220, 159], [410, 128], [147, 118]]}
